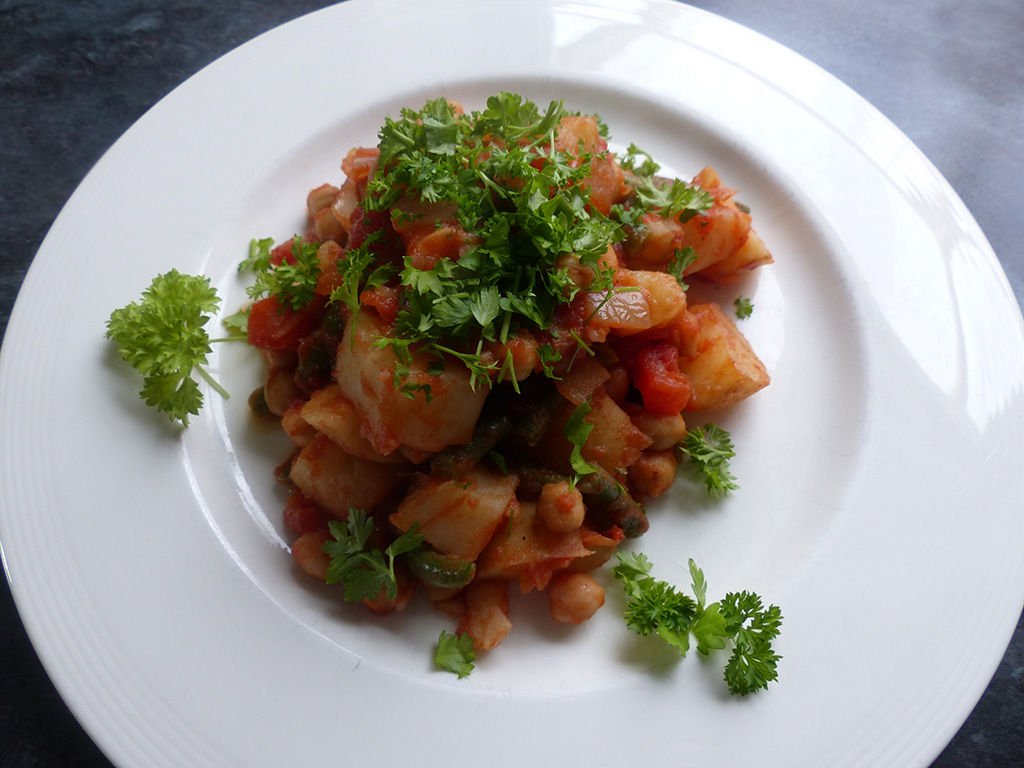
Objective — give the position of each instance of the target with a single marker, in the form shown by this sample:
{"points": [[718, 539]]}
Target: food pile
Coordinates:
{"points": [[483, 351]]}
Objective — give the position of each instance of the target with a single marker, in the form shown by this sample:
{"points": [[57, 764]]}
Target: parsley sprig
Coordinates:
{"points": [[577, 429], [656, 607], [291, 283], [709, 449], [364, 572], [163, 337]]}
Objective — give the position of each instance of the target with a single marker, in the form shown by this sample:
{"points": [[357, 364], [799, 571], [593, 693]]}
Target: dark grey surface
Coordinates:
{"points": [[74, 76]]}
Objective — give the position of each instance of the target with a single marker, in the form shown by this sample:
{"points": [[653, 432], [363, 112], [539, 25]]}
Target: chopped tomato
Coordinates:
{"points": [[654, 371], [282, 254], [384, 299], [274, 326], [374, 229]]}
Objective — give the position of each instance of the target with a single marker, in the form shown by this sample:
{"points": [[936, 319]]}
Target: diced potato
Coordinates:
{"points": [[661, 238], [719, 361], [297, 428], [336, 480], [752, 255], [605, 185], [614, 442], [665, 296], [485, 617], [366, 376], [330, 412], [582, 379], [457, 517], [529, 551]]}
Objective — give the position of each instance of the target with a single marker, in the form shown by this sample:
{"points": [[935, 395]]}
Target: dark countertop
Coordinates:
{"points": [[76, 75]]}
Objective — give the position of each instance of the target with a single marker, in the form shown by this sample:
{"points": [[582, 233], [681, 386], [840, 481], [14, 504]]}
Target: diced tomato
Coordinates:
{"points": [[385, 245], [301, 515], [282, 254], [654, 371], [273, 326], [384, 299]]}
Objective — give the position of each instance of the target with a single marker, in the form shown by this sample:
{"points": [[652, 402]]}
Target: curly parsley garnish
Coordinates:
{"points": [[656, 607], [163, 337], [292, 283], [709, 449]]}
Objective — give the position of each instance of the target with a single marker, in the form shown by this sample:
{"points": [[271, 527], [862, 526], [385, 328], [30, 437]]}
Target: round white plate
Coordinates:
{"points": [[880, 480]]}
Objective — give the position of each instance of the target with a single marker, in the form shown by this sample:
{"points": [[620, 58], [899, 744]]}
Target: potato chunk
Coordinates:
{"points": [[529, 551], [719, 361], [366, 377], [330, 412], [457, 517], [336, 481]]}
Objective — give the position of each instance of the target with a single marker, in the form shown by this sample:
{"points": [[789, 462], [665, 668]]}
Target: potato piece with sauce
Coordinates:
{"points": [[336, 481], [366, 376], [719, 361], [457, 517]]}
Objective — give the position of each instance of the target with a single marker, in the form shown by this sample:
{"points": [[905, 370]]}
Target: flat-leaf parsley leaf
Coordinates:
{"points": [[455, 653], [363, 572]]}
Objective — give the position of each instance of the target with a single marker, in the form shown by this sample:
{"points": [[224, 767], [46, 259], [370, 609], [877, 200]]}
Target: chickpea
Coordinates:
{"points": [[653, 473], [560, 507], [574, 597], [664, 430], [308, 551]]}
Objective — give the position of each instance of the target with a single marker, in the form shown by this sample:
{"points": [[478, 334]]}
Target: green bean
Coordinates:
{"points": [[602, 494], [492, 427], [440, 570], [531, 424]]}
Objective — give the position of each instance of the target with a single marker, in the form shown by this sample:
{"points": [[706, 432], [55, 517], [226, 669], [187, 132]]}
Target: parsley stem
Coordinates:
{"points": [[209, 380]]}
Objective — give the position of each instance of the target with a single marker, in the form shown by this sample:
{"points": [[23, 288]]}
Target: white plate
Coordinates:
{"points": [[880, 471]]}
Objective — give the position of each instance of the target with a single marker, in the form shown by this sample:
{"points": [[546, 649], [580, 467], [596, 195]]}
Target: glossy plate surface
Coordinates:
{"points": [[880, 482]]}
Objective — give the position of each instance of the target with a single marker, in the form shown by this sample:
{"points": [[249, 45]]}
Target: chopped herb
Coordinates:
{"points": [[364, 573], [292, 283], [744, 307], [681, 259], [577, 429], [455, 653], [709, 449]]}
